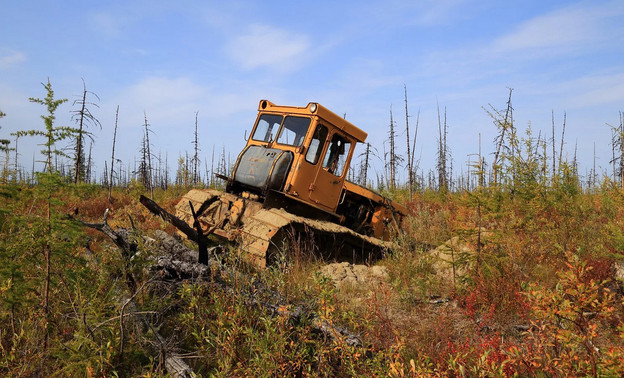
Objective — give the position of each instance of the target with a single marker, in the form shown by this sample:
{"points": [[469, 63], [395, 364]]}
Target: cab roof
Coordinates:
{"points": [[316, 109]]}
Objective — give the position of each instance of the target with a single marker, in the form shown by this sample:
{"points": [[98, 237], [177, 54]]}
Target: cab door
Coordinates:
{"points": [[306, 165], [328, 182]]}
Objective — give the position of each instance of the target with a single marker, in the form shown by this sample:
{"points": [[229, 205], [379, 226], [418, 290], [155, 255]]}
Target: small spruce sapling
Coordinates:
{"points": [[53, 134]]}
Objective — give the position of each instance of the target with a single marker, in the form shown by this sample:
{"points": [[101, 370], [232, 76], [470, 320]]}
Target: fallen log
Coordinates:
{"points": [[175, 221], [122, 239], [120, 236], [195, 234]]}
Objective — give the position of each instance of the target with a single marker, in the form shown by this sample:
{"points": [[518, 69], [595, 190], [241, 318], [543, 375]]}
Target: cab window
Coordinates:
{"points": [[336, 155], [267, 127], [316, 145], [293, 131]]}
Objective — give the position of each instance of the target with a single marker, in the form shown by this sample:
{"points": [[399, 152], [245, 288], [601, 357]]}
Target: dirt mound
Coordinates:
{"points": [[344, 273], [455, 256], [449, 261]]}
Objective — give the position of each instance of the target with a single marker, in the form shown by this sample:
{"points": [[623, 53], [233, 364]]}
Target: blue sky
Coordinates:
{"points": [[172, 59]]}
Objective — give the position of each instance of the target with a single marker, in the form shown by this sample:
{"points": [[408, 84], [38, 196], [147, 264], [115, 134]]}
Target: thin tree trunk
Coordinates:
{"points": [[166, 170], [105, 175], [574, 164], [594, 169], [442, 153], [447, 172], [16, 156], [212, 167], [410, 171], [562, 138], [110, 181], [502, 137], [554, 155], [78, 163], [196, 156], [613, 147], [414, 169], [366, 164], [89, 165], [148, 158], [46, 292], [621, 138], [392, 170]]}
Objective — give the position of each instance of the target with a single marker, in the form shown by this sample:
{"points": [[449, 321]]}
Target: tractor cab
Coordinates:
{"points": [[297, 155]]}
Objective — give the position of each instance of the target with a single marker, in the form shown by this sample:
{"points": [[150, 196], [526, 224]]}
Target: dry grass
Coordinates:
{"points": [[422, 321]]}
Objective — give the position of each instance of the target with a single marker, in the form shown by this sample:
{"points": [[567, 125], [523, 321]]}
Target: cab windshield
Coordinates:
{"points": [[292, 132]]}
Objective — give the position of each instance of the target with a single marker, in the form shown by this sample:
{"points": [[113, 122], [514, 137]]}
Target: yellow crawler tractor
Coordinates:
{"points": [[289, 184]]}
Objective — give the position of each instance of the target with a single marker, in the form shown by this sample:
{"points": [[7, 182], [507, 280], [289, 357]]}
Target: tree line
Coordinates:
{"points": [[400, 168], [74, 161]]}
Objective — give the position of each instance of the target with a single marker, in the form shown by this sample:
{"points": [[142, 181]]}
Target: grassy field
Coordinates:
{"points": [[526, 285]]}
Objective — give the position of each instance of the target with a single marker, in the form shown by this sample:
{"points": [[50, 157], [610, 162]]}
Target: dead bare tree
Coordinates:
{"points": [[617, 150], [142, 169], [212, 172], [166, 183], [613, 160], [392, 171], [16, 171], [504, 123], [16, 158], [413, 164], [442, 153], [365, 164], [410, 159], [478, 167], [83, 117], [555, 165], [393, 158], [104, 178], [562, 138], [110, 181], [196, 155], [575, 162], [89, 165], [543, 156], [554, 154], [222, 167], [145, 167], [149, 157], [594, 174]]}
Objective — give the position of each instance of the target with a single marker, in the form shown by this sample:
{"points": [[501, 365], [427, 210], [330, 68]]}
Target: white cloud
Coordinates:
{"points": [[171, 103], [106, 23], [580, 34], [226, 110], [434, 12], [366, 75], [565, 29], [425, 13], [163, 99], [267, 46], [11, 59], [228, 15], [594, 91]]}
